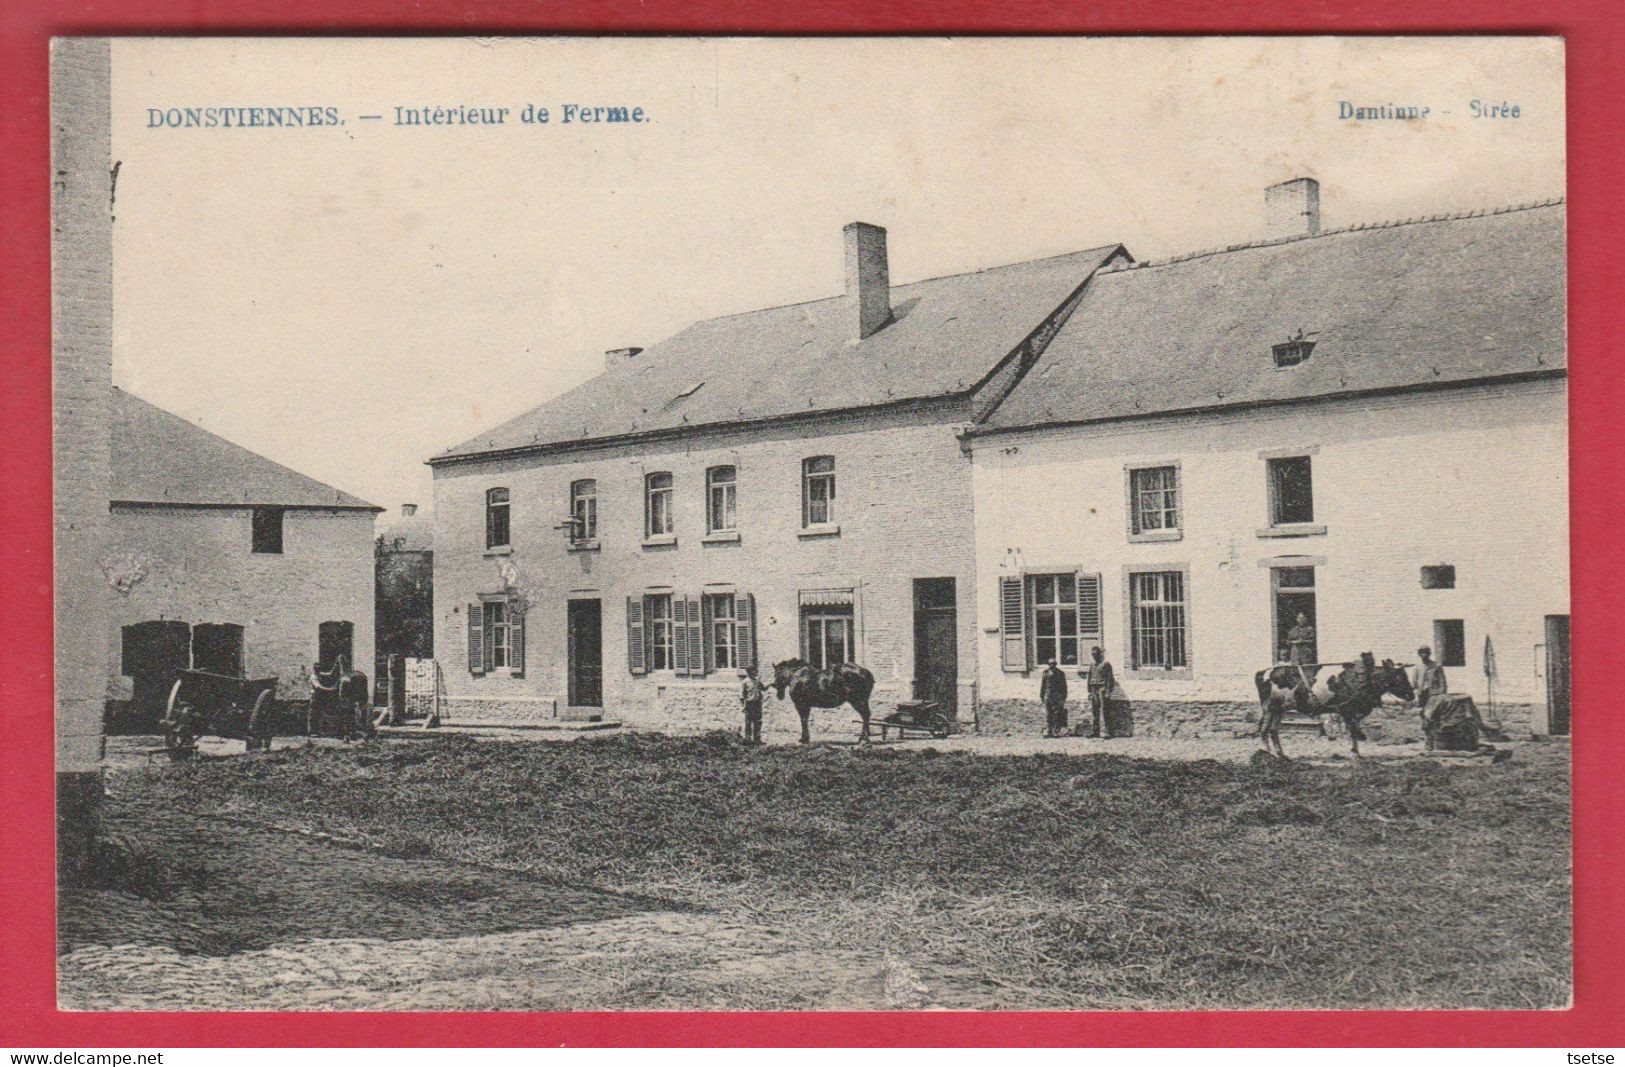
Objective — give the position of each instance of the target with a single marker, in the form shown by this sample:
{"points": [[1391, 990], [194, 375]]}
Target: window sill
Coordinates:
{"points": [[500, 550], [1150, 536], [721, 537], [660, 541], [1293, 529], [583, 546], [1158, 674], [826, 529]]}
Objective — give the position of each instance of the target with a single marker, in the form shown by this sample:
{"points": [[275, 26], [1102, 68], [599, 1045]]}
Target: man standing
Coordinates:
{"points": [[1429, 682], [751, 692], [1052, 694], [1300, 641], [1101, 681]]}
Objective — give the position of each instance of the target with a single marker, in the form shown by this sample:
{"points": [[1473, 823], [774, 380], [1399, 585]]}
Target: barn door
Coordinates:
{"points": [[936, 645], [335, 639], [1557, 674]]}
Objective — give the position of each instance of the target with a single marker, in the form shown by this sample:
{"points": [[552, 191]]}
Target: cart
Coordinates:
{"points": [[201, 702], [924, 717]]}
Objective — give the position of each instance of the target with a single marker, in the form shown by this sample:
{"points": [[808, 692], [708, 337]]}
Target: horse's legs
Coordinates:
{"points": [[862, 707], [806, 714], [1354, 733]]}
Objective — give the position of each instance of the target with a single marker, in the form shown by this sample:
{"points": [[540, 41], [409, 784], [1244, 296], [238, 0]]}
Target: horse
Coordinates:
{"points": [[1351, 694], [343, 697], [809, 687]]}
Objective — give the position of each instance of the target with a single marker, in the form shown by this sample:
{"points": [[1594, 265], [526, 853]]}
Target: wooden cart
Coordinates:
{"points": [[204, 703]]}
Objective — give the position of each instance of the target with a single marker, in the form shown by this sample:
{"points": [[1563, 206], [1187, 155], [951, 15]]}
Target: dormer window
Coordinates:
{"points": [[1293, 352]]}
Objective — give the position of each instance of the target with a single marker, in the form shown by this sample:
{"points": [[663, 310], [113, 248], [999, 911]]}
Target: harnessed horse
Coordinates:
{"points": [[810, 687], [1351, 694]]}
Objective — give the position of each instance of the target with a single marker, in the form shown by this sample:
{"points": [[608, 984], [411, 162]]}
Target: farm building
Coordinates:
{"points": [[1365, 427], [779, 483], [227, 562]]}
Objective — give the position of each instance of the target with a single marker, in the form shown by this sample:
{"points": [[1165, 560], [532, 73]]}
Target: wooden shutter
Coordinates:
{"points": [[745, 616], [636, 660], [679, 636], [516, 639], [696, 638], [1088, 611], [476, 638], [1012, 624]]}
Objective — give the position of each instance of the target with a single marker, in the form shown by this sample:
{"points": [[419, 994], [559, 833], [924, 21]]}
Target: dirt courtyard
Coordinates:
{"points": [[651, 872]]}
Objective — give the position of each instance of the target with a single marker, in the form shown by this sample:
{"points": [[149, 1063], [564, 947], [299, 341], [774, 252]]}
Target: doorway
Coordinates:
{"points": [[584, 630], [1293, 594], [217, 647], [335, 639], [1557, 675], [153, 654], [936, 643]]}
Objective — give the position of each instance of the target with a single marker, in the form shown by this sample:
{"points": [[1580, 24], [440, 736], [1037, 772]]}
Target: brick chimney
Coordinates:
{"points": [[616, 357], [1292, 208], [868, 280], [408, 510]]}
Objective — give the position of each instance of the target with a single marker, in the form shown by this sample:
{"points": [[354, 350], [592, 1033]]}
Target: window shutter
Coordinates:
{"points": [[476, 638], [516, 639], [1012, 620], [636, 662], [696, 638], [679, 636], [745, 611], [1088, 608]]}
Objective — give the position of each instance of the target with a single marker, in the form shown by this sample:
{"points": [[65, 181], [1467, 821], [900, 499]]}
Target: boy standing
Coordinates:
{"points": [[751, 692]]}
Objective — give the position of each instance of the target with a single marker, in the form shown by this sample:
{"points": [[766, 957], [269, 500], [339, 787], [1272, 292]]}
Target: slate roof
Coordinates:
{"points": [[1447, 299], [948, 334], [159, 458]]}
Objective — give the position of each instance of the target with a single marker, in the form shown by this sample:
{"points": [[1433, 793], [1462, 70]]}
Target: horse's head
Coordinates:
{"points": [[783, 671], [1393, 679]]}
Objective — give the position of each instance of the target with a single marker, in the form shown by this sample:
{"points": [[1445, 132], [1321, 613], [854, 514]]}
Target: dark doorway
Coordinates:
{"points": [[936, 644], [153, 655], [218, 647], [585, 633], [1557, 674], [335, 639], [1294, 593]]}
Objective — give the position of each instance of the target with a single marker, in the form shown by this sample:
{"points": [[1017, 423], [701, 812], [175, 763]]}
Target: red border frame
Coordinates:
{"points": [[1596, 59]]}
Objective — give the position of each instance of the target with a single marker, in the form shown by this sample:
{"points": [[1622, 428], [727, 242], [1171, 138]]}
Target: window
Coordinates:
{"points": [[268, 530], [1450, 642], [657, 518], [1055, 619], [658, 611], [496, 630], [826, 631], [1157, 620], [1293, 352], [496, 518], [1439, 576], [818, 491], [1153, 500], [583, 511], [722, 630], [1292, 498], [720, 499]]}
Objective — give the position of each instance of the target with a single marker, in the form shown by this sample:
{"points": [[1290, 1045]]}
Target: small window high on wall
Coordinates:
{"points": [[267, 537]]}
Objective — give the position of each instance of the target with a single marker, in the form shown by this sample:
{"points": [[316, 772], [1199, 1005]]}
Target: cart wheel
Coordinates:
{"points": [[179, 741], [939, 729]]}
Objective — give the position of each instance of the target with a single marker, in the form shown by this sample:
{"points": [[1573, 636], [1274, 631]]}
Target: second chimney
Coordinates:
{"points": [[409, 509], [615, 357], [1292, 209], [868, 280]]}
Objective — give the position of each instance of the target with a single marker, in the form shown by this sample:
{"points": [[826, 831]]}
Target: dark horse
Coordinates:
{"points": [[340, 700], [1351, 694], [810, 688]]}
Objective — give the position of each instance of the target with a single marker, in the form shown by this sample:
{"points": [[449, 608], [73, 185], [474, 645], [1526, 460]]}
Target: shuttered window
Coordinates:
{"points": [[1044, 616], [662, 632], [745, 629], [722, 631], [516, 640], [476, 638], [636, 634], [1012, 628]]}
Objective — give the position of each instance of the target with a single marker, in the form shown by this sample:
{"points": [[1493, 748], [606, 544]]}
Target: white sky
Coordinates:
{"points": [[351, 301]]}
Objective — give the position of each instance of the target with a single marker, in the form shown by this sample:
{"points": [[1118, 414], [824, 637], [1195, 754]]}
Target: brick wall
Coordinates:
{"points": [[198, 568], [903, 508], [1472, 477]]}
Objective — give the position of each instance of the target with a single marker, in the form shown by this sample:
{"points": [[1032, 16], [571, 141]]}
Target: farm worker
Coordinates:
{"points": [[1300, 642], [751, 692], [1052, 693], [1102, 680], [1428, 682]]}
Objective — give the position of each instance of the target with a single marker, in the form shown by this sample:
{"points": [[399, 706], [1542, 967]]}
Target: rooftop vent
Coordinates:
{"points": [[409, 509], [616, 357], [1292, 208], [1292, 351]]}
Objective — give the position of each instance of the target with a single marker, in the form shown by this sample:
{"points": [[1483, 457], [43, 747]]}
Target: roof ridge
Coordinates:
{"points": [[1386, 224]]}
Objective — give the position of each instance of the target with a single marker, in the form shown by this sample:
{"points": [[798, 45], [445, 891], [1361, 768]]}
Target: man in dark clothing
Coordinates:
{"points": [[751, 692], [1052, 694], [1101, 681], [1301, 645]]}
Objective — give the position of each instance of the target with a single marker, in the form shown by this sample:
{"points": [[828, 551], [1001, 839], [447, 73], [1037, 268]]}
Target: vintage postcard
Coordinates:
{"points": [[865, 524]]}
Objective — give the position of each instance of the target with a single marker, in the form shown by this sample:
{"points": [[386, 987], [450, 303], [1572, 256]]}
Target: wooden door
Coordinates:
{"points": [[584, 627], [1557, 674], [936, 643]]}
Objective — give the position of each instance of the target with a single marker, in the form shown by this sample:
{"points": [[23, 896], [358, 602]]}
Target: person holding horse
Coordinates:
{"points": [[751, 694], [1052, 694]]}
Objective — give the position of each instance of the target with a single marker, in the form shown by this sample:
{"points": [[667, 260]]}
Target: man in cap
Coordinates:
{"points": [[1428, 681], [1101, 682], [1052, 694], [751, 692]]}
